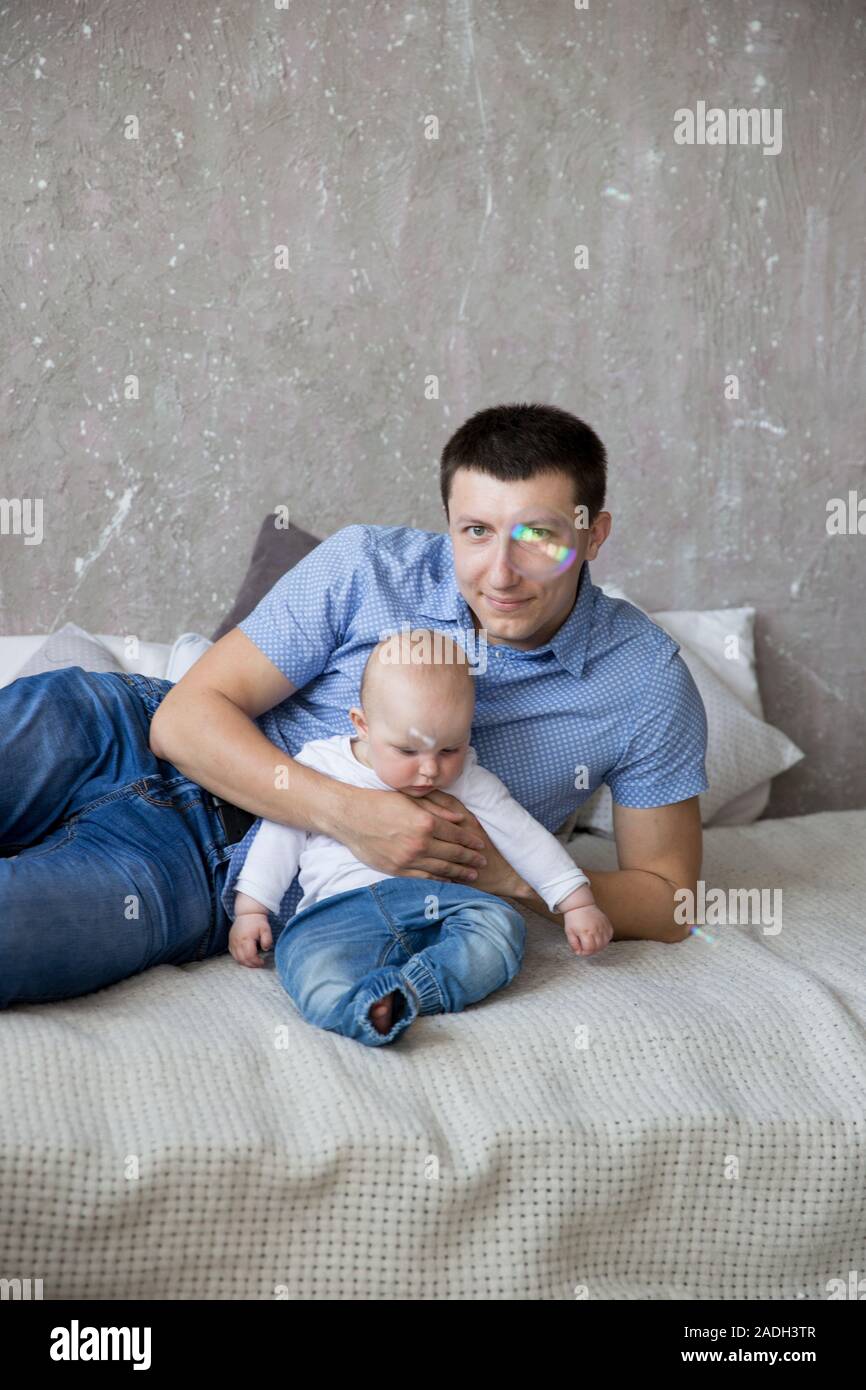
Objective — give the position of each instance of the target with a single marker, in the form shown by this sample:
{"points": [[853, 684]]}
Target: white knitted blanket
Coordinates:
{"points": [[658, 1122]]}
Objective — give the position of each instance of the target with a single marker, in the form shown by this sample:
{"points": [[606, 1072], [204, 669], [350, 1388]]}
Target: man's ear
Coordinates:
{"points": [[598, 534]]}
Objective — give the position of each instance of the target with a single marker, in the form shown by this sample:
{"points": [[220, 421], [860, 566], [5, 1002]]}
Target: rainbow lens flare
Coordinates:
{"points": [[547, 554]]}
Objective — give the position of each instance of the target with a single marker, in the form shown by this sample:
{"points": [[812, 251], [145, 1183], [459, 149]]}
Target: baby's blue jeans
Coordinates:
{"points": [[439, 946]]}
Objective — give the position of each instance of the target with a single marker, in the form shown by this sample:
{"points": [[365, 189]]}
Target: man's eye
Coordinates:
{"points": [[476, 528]]}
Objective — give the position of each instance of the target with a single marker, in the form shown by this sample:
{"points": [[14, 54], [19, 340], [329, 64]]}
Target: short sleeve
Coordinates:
{"points": [[665, 758], [302, 619]]}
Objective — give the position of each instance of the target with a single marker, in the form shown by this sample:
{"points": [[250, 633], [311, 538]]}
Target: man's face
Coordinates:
{"points": [[513, 609]]}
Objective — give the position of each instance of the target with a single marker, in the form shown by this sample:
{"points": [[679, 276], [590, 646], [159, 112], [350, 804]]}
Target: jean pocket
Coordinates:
{"points": [[192, 801], [170, 791], [151, 690], [119, 794]]}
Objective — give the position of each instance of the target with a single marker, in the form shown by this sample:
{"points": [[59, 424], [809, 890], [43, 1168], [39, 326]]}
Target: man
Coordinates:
{"points": [[118, 850], [573, 680]]}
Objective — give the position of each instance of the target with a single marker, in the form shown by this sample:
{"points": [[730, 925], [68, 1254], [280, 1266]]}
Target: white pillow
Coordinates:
{"points": [[70, 645], [149, 658], [743, 751], [185, 653], [709, 635]]}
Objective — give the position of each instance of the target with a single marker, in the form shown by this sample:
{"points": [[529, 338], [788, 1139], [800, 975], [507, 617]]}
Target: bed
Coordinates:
{"points": [[659, 1122]]}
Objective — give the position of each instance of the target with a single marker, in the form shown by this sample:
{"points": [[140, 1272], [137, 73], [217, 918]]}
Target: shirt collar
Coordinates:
{"points": [[445, 600], [569, 644]]}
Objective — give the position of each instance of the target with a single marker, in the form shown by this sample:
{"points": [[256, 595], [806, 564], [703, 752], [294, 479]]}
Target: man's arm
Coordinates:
{"points": [[537, 857], [205, 728], [659, 851], [658, 847]]}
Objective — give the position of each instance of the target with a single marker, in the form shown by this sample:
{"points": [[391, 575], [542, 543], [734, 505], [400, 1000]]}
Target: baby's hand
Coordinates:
{"points": [[587, 930], [249, 931]]}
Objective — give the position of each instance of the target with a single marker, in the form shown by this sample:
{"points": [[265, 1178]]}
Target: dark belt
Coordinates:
{"points": [[234, 820]]}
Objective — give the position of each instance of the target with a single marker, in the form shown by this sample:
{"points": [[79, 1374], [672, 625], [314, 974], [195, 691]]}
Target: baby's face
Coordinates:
{"points": [[419, 753]]}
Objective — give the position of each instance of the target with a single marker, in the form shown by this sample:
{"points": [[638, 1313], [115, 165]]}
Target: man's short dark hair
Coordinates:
{"points": [[514, 442]]}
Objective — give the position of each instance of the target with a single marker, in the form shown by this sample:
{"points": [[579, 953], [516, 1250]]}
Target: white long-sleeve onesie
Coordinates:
{"points": [[328, 867]]}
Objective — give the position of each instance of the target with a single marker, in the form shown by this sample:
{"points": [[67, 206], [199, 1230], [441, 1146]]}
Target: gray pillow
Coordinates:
{"points": [[274, 552], [69, 646]]}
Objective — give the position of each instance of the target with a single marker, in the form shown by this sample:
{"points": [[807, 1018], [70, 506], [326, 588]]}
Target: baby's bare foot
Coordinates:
{"points": [[380, 1014]]}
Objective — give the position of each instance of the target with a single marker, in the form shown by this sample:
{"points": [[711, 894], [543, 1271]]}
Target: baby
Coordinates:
{"points": [[365, 953]]}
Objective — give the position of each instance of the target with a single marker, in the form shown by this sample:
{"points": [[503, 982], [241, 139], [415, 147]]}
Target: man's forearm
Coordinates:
{"points": [[639, 904], [215, 744]]}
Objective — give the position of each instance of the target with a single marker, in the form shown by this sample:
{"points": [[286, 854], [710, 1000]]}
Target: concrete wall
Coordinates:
{"points": [[411, 257]]}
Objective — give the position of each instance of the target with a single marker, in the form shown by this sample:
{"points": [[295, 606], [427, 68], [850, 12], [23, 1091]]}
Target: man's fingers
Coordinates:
{"points": [[440, 868], [453, 829], [453, 853], [442, 811]]}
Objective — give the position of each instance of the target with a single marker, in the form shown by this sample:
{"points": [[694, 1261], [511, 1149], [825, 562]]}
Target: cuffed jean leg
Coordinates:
{"points": [[350, 1015], [478, 949], [345, 953], [338, 958]]}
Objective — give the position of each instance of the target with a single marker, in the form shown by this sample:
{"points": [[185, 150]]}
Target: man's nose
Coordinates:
{"points": [[501, 573]]}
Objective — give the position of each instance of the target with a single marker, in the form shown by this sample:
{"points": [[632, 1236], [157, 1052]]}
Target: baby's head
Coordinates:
{"points": [[415, 719]]}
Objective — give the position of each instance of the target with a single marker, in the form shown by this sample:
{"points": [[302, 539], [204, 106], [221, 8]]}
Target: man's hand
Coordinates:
{"points": [[497, 876], [412, 837]]}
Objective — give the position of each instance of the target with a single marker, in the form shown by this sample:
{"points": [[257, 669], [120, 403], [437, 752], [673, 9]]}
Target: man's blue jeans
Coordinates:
{"points": [[110, 859], [439, 945]]}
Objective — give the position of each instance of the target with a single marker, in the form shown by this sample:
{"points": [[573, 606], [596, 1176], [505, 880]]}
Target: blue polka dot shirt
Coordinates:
{"points": [[607, 699]]}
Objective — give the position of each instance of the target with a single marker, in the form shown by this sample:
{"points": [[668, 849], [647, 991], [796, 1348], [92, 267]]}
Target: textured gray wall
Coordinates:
{"points": [[411, 257]]}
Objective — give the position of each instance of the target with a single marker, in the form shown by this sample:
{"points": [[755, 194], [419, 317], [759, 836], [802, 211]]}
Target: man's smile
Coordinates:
{"points": [[505, 605]]}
